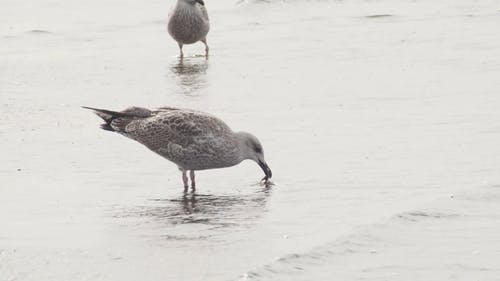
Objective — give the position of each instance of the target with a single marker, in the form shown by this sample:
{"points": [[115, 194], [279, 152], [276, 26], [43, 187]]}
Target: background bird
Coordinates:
{"points": [[193, 140], [189, 23]]}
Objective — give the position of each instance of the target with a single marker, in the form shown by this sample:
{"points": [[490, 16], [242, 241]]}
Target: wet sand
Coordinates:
{"points": [[379, 120]]}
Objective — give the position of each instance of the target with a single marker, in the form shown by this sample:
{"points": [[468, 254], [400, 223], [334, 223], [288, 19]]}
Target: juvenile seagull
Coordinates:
{"points": [[193, 140], [189, 23]]}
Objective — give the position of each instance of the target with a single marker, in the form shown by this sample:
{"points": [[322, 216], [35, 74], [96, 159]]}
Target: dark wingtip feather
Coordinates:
{"points": [[107, 127], [94, 109], [106, 115], [118, 121]]}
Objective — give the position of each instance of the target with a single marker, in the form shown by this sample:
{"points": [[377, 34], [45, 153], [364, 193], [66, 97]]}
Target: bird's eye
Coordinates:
{"points": [[257, 149]]}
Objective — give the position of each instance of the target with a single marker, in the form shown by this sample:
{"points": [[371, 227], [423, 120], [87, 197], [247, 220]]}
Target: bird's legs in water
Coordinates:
{"points": [[206, 46], [193, 184], [204, 42], [180, 48], [185, 180]]}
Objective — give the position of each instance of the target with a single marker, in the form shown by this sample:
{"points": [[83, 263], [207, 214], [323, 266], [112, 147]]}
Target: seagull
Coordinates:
{"points": [[191, 139], [189, 23]]}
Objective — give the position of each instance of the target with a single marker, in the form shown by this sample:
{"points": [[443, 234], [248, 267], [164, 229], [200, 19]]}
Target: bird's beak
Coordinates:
{"points": [[266, 169], [201, 2]]}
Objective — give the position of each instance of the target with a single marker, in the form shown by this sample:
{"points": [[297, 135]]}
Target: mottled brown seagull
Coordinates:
{"points": [[193, 140]]}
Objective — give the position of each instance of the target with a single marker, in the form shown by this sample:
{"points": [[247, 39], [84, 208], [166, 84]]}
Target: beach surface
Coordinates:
{"points": [[379, 120]]}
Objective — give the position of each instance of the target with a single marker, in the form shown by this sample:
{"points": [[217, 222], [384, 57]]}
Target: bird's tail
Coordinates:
{"points": [[107, 115], [116, 121]]}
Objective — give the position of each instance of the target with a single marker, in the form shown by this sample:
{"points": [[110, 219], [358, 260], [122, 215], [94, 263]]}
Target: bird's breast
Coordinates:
{"points": [[188, 25]]}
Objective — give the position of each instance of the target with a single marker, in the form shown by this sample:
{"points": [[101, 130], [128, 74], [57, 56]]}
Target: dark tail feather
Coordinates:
{"points": [[118, 121], [107, 115], [107, 127]]}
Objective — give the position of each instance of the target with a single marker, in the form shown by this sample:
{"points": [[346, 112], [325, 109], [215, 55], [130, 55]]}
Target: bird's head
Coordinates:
{"points": [[252, 149], [193, 2]]}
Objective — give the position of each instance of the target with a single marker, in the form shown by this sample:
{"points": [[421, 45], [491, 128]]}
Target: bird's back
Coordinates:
{"points": [[191, 139], [181, 126]]}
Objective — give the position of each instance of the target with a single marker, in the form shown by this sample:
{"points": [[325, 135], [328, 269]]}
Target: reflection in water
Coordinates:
{"points": [[190, 73], [192, 213]]}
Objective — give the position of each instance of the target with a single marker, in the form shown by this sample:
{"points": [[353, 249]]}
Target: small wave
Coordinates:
{"points": [[294, 266], [185, 238], [415, 216], [378, 16], [365, 240], [39, 31]]}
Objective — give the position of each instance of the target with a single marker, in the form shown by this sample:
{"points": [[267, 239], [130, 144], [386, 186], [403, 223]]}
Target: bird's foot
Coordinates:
{"points": [[265, 181]]}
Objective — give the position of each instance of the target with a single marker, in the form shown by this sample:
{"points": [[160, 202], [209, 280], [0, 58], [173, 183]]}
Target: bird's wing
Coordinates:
{"points": [[188, 127], [200, 136], [183, 128], [204, 12], [165, 108]]}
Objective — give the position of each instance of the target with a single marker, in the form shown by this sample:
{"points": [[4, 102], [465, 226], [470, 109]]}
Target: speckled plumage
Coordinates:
{"points": [[193, 140], [189, 23]]}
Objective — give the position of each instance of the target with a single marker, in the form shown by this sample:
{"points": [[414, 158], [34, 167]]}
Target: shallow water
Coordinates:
{"points": [[378, 119]]}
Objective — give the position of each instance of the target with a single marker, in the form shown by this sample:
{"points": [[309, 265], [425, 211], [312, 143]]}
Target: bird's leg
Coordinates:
{"points": [[180, 48], [185, 180], [193, 184], [206, 46]]}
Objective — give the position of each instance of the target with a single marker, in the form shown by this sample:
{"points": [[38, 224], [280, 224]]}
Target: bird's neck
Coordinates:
{"points": [[182, 6], [242, 142]]}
